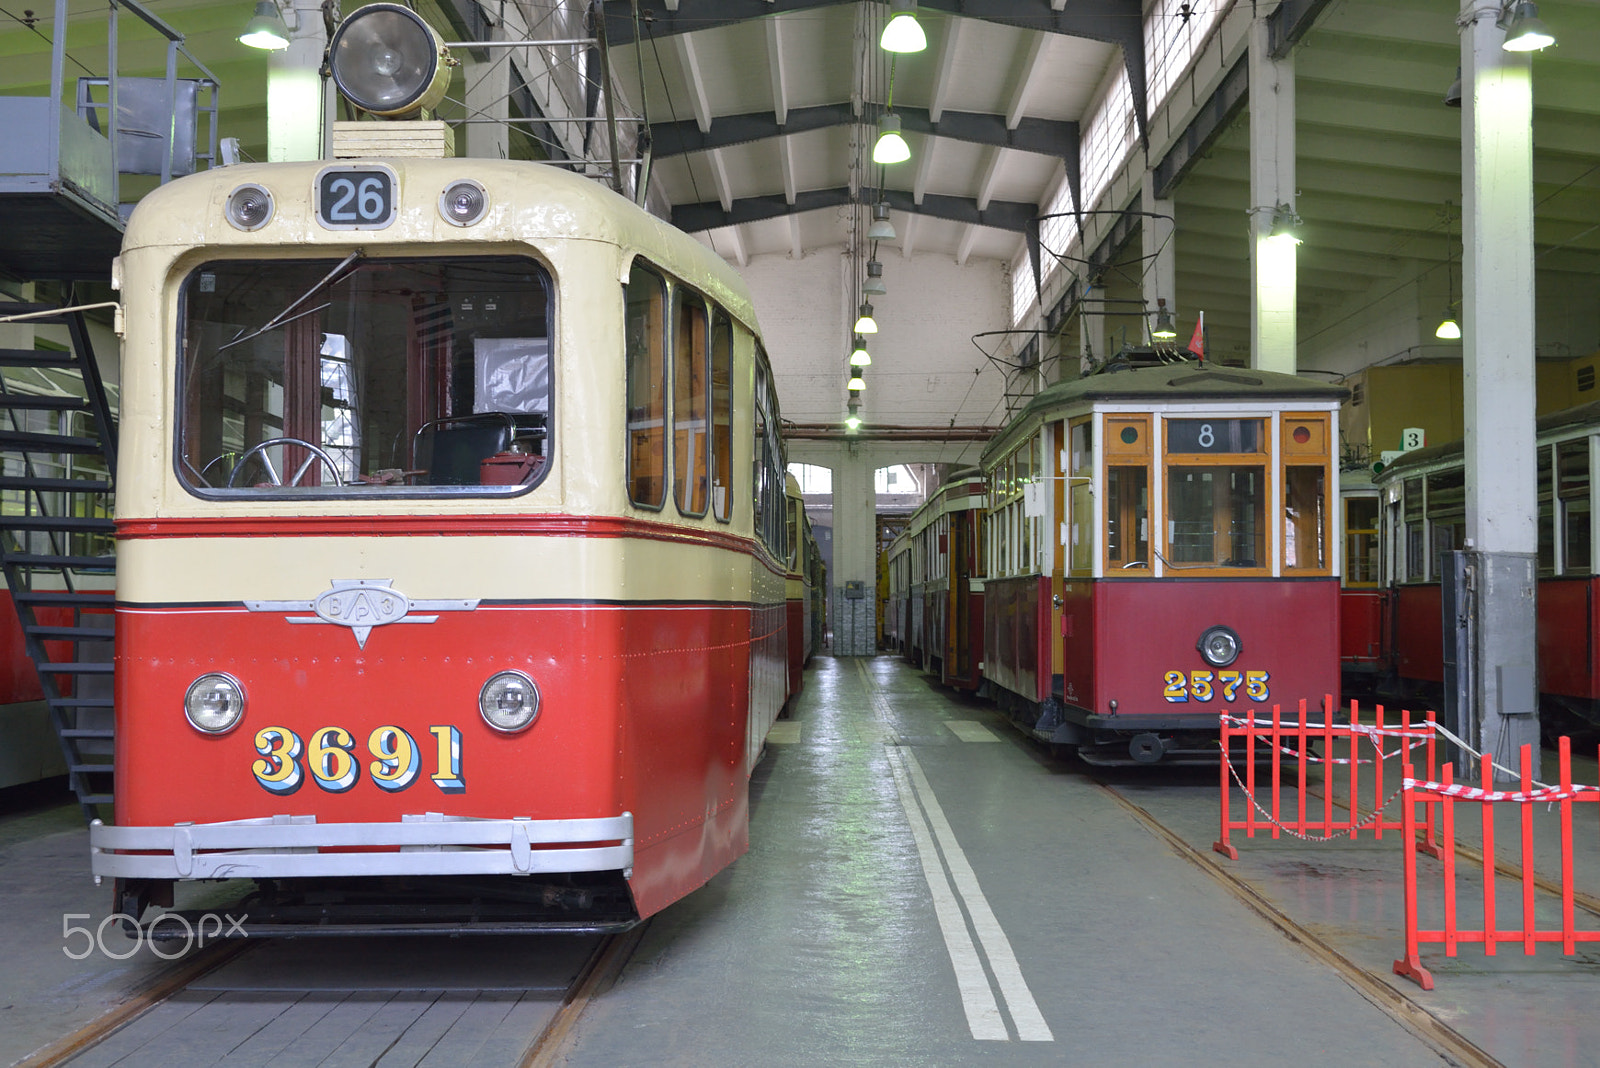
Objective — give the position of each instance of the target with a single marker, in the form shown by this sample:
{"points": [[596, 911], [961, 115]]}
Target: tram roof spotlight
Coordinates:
{"points": [[866, 324], [266, 28], [891, 147], [903, 32], [1163, 330], [386, 60], [1525, 31], [874, 284], [881, 229]]}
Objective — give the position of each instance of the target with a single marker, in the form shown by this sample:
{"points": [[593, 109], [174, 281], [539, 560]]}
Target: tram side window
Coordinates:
{"points": [[1572, 473], [364, 376], [691, 466], [1447, 514], [1361, 541], [646, 353], [1546, 510], [1127, 516], [722, 416], [1304, 446], [1080, 472], [1416, 556]]}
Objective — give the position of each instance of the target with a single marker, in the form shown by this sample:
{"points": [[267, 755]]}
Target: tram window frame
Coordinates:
{"points": [[1545, 508], [1576, 503], [409, 332], [1415, 530], [1080, 495], [1224, 506], [1305, 461], [645, 367], [1445, 509], [690, 377], [721, 357], [1361, 565], [1133, 459]]}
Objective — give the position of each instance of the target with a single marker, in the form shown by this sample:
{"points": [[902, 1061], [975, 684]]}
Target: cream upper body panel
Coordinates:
{"points": [[584, 235]]}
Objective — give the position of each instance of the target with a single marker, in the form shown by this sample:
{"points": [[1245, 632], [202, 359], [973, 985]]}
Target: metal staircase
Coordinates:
{"points": [[57, 460]]}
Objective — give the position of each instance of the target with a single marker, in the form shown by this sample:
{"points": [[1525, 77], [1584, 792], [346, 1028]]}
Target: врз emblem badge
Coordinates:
{"points": [[361, 604]]}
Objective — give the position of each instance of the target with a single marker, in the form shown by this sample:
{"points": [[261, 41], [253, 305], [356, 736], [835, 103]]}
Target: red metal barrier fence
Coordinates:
{"points": [[1311, 817], [1447, 795]]}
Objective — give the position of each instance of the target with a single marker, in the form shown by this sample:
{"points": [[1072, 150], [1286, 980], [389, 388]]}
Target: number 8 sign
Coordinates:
{"points": [[355, 198]]}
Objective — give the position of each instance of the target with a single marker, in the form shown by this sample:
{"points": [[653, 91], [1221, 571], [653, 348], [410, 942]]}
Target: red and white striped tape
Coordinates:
{"points": [[1475, 793]]}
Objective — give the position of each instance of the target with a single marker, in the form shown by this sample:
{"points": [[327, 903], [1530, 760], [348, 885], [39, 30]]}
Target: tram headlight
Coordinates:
{"points": [[214, 703], [249, 207], [387, 61], [463, 203], [509, 702], [1219, 646]]}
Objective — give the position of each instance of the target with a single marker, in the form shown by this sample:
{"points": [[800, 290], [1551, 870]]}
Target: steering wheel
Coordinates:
{"points": [[272, 473]]}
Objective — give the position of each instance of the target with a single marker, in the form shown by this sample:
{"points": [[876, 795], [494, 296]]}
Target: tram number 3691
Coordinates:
{"points": [[1204, 685], [333, 765]]}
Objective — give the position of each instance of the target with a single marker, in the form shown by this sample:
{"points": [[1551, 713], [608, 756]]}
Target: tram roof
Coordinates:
{"points": [[1547, 425], [1121, 379]]}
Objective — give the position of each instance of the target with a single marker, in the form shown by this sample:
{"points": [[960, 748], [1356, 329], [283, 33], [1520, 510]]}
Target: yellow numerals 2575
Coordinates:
{"points": [[1204, 685]]}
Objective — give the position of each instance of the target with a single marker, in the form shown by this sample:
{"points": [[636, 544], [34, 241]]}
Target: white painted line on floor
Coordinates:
{"points": [[970, 730], [784, 732], [916, 794], [983, 1015], [996, 946]]}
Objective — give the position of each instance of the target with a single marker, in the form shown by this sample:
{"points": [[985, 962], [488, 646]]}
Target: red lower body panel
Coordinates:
{"points": [[1363, 617], [1016, 624], [645, 710]]}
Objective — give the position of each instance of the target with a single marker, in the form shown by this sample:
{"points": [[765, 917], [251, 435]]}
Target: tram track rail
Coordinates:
{"points": [[1413, 1016], [544, 1048]]}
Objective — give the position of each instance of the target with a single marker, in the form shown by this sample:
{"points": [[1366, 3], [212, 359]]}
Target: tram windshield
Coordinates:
{"points": [[361, 376]]}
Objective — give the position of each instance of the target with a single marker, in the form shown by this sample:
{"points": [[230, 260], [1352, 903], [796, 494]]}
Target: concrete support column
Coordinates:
{"points": [[297, 102], [855, 553], [1160, 255], [488, 97], [1498, 382], [1272, 262]]}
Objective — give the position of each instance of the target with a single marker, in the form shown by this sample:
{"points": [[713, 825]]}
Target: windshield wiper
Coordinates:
{"points": [[285, 315]]}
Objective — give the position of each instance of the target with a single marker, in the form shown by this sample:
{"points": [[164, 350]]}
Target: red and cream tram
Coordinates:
{"points": [[450, 549], [1161, 547], [935, 576], [1424, 515]]}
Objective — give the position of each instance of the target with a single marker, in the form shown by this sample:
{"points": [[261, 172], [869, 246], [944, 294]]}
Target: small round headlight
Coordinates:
{"points": [[214, 703], [1219, 646], [249, 207], [509, 701], [463, 203]]}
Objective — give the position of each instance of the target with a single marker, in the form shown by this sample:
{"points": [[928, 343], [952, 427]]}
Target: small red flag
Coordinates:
{"points": [[1197, 344]]}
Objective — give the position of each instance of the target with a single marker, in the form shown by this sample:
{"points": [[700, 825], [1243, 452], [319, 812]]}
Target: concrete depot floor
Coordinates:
{"points": [[1071, 933]]}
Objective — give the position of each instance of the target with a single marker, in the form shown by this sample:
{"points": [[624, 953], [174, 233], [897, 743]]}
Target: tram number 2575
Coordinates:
{"points": [[330, 758], [1204, 685]]}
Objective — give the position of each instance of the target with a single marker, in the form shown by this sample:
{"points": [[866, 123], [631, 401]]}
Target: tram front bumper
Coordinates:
{"points": [[291, 847]]}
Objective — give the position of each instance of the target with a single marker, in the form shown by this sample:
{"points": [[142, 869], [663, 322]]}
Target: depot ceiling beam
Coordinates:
{"points": [[999, 214], [1046, 137], [1118, 22]]}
